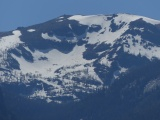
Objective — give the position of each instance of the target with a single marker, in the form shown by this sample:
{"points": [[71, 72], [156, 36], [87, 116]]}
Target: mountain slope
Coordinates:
{"points": [[69, 57], [134, 96]]}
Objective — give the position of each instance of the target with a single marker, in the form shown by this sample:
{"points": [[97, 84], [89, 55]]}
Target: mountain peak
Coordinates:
{"points": [[118, 17], [75, 55]]}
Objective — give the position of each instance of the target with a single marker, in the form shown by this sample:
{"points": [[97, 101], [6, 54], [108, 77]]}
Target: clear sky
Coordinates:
{"points": [[15, 13]]}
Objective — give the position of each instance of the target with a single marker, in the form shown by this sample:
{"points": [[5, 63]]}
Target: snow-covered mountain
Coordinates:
{"points": [[71, 56]]}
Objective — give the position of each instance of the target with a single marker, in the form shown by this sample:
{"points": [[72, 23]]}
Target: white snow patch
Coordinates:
{"points": [[126, 18], [108, 36], [152, 85], [11, 41], [88, 20], [56, 59], [117, 73], [114, 55], [129, 18], [69, 66], [61, 17], [31, 30], [70, 26], [60, 21], [105, 61], [48, 100], [152, 21], [59, 38], [141, 48], [99, 53], [118, 48], [141, 29], [97, 37], [39, 93], [53, 38], [122, 70], [59, 102]]}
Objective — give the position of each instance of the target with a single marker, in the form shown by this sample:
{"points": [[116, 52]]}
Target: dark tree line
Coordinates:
{"points": [[4, 113]]}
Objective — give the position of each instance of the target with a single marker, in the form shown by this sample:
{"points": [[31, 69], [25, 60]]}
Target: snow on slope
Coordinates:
{"points": [[102, 20], [137, 48], [58, 38], [99, 19], [89, 20], [69, 66], [55, 60], [7, 43], [129, 18], [11, 41], [111, 37], [47, 37], [152, 85], [31, 30]]}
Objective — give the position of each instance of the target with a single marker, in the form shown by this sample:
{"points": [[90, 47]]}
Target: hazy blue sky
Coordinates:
{"points": [[16, 13]]}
